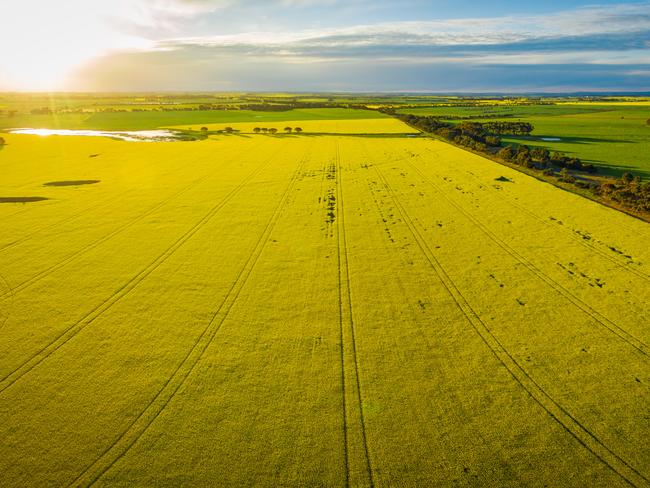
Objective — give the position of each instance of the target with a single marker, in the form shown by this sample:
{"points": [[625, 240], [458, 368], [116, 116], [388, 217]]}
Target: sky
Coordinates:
{"points": [[325, 45]]}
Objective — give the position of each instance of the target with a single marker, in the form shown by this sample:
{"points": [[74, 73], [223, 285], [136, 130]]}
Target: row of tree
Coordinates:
{"points": [[273, 130], [469, 134], [510, 128], [482, 137], [629, 191], [257, 130], [542, 158]]}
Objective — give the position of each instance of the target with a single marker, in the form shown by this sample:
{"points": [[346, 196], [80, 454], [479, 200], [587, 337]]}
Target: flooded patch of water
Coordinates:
{"points": [[551, 139], [161, 135]]}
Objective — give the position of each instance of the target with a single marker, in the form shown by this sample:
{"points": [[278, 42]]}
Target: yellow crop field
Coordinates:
{"points": [[351, 126], [342, 310], [617, 103]]}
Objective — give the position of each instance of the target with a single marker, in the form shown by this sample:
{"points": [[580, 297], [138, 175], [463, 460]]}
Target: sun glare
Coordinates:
{"points": [[50, 39]]}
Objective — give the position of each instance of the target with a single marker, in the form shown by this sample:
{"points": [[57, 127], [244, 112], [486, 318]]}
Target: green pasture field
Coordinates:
{"points": [[333, 310], [156, 119], [614, 138]]}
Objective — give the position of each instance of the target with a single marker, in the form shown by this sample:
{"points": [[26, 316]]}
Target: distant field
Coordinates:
{"points": [[314, 311], [614, 137], [516, 111], [623, 103], [382, 125], [156, 119]]}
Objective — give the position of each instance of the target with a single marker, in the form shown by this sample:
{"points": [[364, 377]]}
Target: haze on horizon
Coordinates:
{"points": [[325, 45]]}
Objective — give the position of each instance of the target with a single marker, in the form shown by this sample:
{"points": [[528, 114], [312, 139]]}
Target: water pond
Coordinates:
{"points": [[131, 136]]}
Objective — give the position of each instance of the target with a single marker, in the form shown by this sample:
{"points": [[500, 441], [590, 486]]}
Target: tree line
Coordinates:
{"points": [[629, 191], [257, 130]]}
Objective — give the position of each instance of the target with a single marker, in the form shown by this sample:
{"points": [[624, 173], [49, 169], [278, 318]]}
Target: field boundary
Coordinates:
{"points": [[540, 177], [567, 231], [614, 328]]}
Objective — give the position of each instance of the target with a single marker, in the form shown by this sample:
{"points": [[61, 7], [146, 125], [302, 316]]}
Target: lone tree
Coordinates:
{"points": [[2, 141], [288, 129], [298, 130], [204, 129], [257, 130], [273, 130], [229, 130]]}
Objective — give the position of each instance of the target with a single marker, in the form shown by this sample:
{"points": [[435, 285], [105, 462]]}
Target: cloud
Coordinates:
{"points": [[601, 47], [639, 72], [199, 69], [561, 37]]}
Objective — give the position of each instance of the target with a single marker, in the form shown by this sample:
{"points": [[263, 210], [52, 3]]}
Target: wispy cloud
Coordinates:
{"points": [[628, 18], [598, 45]]}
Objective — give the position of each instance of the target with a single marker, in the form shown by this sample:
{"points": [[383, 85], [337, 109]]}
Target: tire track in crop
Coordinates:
{"points": [[57, 223], [556, 411], [163, 397], [604, 254], [346, 320], [109, 199], [18, 212], [6, 312], [72, 330], [51, 269], [571, 234], [596, 316]]}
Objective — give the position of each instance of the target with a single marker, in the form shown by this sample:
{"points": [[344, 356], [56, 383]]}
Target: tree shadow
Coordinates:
{"points": [[567, 139], [71, 183], [387, 135], [609, 169], [21, 199]]}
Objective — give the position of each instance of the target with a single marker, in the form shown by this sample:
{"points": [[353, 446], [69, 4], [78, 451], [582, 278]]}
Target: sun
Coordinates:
{"points": [[48, 40]]}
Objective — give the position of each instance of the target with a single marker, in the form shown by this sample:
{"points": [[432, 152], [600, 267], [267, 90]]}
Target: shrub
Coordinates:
{"points": [[566, 176], [506, 153], [493, 141]]}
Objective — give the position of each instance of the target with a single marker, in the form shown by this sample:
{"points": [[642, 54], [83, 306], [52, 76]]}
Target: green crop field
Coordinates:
{"points": [[153, 119], [336, 310], [614, 137]]}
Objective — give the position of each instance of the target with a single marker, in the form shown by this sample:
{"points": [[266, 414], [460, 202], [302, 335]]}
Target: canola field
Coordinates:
{"points": [[314, 311]]}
